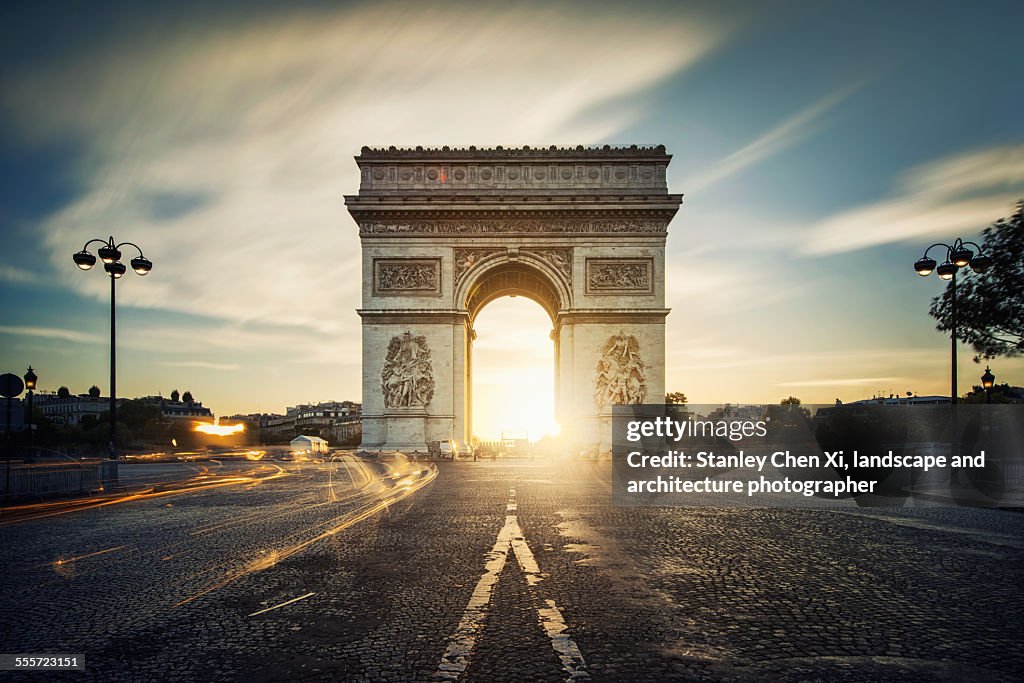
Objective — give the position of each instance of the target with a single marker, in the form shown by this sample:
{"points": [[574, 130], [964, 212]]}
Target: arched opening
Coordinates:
{"points": [[512, 358], [513, 279], [513, 371]]}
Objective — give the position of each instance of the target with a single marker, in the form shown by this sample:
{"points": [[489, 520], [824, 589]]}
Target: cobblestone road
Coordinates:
{"points": [[393, 582]]}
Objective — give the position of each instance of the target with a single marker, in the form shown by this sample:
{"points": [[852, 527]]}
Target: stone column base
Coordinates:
{"points": [[406, 430]]}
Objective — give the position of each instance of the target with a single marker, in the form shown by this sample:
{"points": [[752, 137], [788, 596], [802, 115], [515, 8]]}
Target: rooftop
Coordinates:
{"points": [[526, 151]]}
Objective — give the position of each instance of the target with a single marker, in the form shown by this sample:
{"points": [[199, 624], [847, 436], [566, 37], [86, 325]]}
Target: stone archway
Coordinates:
{"points": [[580, 231]]}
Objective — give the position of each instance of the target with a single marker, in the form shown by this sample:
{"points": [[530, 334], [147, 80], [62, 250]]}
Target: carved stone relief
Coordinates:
{"points": [[619, 275], [407, 379], [467, 259], [404, 276], [514, 226], [560, 260], [619, 377]]}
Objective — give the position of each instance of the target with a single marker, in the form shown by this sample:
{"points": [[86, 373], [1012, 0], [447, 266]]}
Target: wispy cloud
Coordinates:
{"points": [[959, 194], [786, 134], [200, 364], [18, 275], [228, 152], [51, 333], [843, 382]]}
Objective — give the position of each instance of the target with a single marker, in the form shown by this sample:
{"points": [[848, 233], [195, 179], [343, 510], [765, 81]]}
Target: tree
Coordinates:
{"points": [[675, 397], [1000, 393], [175, 395], [990, 305], [187, 397], [788, 412], [94, 391], [63, 392]]}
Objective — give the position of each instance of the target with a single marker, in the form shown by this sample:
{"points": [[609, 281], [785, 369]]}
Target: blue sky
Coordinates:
{"points": [[820, 146]]}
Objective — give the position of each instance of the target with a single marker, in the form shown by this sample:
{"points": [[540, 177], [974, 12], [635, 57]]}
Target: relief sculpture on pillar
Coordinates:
{"points": [[407, 379], [620, 377]]}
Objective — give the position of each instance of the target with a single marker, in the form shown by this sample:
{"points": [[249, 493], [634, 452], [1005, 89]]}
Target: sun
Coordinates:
{"points": [[513, 371]]}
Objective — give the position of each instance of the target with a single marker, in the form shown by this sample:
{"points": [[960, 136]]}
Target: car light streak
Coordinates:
{"points": [[272, 557]]}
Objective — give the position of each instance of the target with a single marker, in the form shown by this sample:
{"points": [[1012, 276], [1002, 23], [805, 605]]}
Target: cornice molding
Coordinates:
{"points": [[420, 153]]}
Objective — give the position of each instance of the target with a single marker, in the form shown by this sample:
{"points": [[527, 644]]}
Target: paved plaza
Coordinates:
{"points": [[505, 571]]}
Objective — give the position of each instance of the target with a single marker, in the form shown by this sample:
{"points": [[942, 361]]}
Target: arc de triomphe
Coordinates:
{"points": [[445, 231]]}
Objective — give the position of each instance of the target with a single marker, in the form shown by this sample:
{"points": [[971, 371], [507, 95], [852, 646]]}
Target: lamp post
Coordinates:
{"points": [[988, 380], [957, 257], [30, 385], [110, 254]]}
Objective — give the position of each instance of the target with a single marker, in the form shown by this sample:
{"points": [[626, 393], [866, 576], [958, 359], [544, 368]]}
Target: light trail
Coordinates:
{"points": [[286, 602], [203, 482], [334, 527], [60, 561]]}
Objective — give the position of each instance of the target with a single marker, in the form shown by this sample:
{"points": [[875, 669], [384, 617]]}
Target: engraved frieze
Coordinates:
{"points": [[514, 226], [402, 276], [619, 275]]}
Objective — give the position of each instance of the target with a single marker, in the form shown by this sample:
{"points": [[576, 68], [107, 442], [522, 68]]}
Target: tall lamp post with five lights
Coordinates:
{"points": [[110, 254], [957, 257]]}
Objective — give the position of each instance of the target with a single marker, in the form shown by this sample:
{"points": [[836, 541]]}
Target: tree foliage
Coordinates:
{"points": [[990, 305], [788, 411], [675, 397], [94, 391]]}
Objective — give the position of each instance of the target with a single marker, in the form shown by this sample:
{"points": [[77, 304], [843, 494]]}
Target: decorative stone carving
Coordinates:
{"points": [[407, 276], [525, 225], [620, 378], [467, 259], [619, 275], [407, 379], [560, 259]]}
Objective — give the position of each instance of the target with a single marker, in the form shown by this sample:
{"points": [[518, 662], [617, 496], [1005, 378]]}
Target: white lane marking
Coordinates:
{"points": [[463, 641], [286, 602], [565, 646]]}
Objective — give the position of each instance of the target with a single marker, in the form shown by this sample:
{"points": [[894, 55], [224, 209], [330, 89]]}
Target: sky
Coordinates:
{"points": [[820, 146]]}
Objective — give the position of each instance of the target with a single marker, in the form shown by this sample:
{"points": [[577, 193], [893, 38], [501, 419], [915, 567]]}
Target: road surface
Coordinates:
{"points": [[507, 571]]}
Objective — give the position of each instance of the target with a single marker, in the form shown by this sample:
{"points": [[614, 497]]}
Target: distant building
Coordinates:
{"points": [[894, 400], [179, 410], [334, 420], [309, 444], [70, 410]]}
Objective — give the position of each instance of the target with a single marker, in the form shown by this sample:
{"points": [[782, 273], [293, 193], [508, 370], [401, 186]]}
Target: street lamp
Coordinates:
{"points": [[957, 256], [110, 254], [30, 385], [988, 380]]}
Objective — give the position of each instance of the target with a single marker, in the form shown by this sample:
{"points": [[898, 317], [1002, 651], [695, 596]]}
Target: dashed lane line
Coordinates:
{"points": [[460, 648]]}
